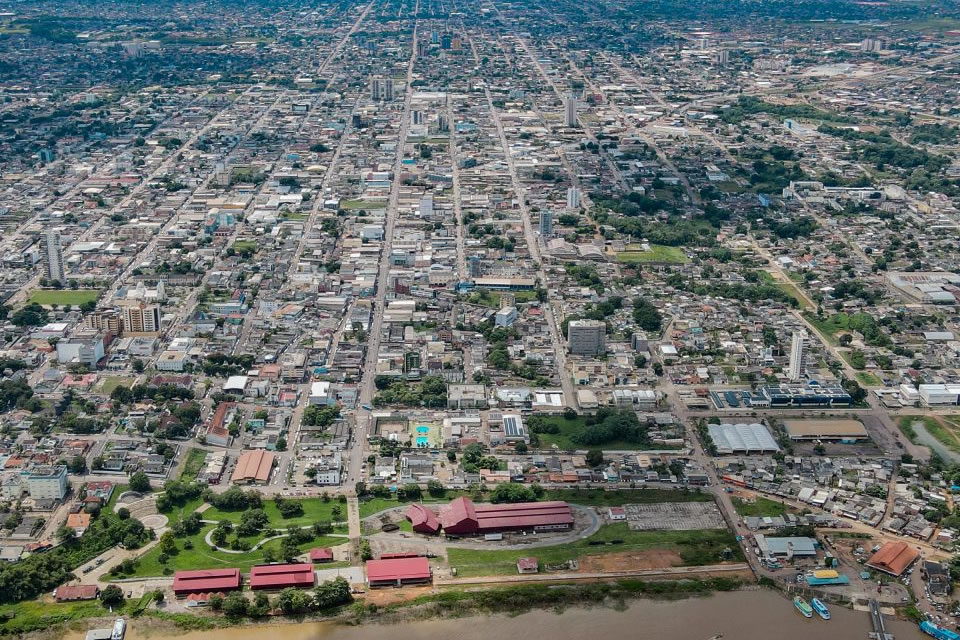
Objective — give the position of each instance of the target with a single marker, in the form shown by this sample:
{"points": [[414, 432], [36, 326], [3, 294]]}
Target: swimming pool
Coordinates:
{"points": [[423, 429], [423, 442]]}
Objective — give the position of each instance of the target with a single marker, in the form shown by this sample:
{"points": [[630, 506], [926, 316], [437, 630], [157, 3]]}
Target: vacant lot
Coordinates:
{"points": [[356, 205], [194, 464], [656, 254], [570, 427], [75, 297], [760, 507], [691, 548]]}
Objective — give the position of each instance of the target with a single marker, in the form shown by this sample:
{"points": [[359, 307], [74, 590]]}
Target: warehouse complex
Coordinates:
{"points": [[742, 438], [839, 430], [463, 518], [396, 572], [281, 576]]}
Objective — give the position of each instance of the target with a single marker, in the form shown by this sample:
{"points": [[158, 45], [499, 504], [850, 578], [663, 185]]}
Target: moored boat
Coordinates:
{"points": [[820, 608], [803, 607]]}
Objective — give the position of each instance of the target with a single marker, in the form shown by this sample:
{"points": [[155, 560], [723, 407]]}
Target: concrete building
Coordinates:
{"points": [[83, 347], [798, 356], [546, 223], [506, 317], [587, 337], [573, 198], [141, 318], [47, 481], [53, 267], [570, 111]]}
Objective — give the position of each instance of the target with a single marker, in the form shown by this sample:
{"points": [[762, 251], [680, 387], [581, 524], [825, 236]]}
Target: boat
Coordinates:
{"points": [[820, 608], [119, 628], [803, 607], [938, 632]]}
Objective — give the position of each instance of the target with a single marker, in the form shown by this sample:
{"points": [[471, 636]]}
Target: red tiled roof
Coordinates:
{"points": [[71, 592], [324, 554], [394, 569], [279, 576], [463, 517], [893, 557]]}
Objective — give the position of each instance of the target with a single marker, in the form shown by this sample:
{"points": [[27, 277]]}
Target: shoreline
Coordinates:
{"points": [[444, 605]]}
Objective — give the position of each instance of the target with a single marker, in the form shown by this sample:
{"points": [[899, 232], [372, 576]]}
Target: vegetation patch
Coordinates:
{"points": [[658, 254], [60, 297], [759, 507]]}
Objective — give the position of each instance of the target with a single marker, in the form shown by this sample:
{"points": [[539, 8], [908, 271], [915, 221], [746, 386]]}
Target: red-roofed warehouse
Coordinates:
{"points": [[424, 520], [199, 581], [394, 572], [281, 576], [462, 517]]}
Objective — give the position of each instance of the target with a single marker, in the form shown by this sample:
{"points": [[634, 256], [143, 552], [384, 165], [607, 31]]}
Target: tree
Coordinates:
{"points": [[436, 489], [158, 596], [77, 464], [65, 533], [594, 457], [235, 605], [292, 600], [658, 368], [111, 596], [139, 482], [168, 543], [123, 513], [138, 365], [569, 414], [521, 447], [216, 602]]}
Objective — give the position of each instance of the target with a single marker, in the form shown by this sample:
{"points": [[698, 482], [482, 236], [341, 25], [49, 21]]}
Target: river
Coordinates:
{"points": [[743, 615]]}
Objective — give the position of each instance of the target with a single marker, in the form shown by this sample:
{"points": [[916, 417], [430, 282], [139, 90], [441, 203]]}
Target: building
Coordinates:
{"points": [[527, 565], [396, 572], [546, 223], [79, 522], [798, 356], [375, 89], [570, 111], [939, 394], [573, 198], [423, 519], [506, 317], [206, 580], [836, 430], [513, 428], [141, 318], [282, 576], [466, 396], [47, 481], [786, 547], [893, 558], [462, 518], [811, 394], [106, 320], [321, 555], [74, 592], [388, 89], [85, 346], [253, 467], [53, 267], [742, 439], [587, 337], [937, 575]]}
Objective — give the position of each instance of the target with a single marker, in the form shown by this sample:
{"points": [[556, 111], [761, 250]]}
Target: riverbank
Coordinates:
{"points": [[745, 614]]}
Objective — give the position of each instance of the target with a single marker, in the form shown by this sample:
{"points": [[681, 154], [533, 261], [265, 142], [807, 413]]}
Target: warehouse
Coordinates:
{"points": [[253, 467], [742, 438], [424, 520], [893, 558], [939, 394], [281, 576], [462, 518], [205, 580], [786, 547], [836, 430], [396, 572]]}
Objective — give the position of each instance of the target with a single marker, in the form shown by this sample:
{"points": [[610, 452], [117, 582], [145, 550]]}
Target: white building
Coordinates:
{"points": [[573, 198], [506, 317], [47, 481], [798, 356], [53, 256], [320, 393], [570, 111]]}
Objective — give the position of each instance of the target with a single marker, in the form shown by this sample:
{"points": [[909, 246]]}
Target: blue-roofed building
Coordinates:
{"points": [[811, 394]]}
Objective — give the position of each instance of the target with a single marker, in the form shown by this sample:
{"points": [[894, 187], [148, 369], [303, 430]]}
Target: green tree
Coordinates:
{"points": [[139, 482], [111, 596], [594, 457]]}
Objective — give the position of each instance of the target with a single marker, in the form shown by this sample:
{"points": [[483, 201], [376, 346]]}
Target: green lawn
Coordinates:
{"points": [[868, 379], [201, 556], [760, 507], [829, 326], [245, 246], [34, 615], [61, 297], [568, 428], [112, 382], [356, 205], [694, 547], [657, 254], [314, 510], [188, 507], [194, 464]]}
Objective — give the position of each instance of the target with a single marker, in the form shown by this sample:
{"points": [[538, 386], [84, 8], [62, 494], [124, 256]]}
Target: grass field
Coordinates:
{"points": [[194, 464], [657, 254], [868, 379], [356, 205], [694, 547], [61, 297], [33, 615], [569, 428], [760, 507], [314, 509], [245, 246], [830, 326], [112, 382], [201, 556], [487, 298]]}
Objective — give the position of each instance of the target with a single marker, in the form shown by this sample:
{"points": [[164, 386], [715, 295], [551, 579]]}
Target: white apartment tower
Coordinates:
{"points": [[53, 256], [798, 356], [573, 198], [546, 223], [570, 111]]}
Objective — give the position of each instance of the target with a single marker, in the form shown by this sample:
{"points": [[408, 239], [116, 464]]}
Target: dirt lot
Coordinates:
{"points": [[653, 559], [382, 597]]}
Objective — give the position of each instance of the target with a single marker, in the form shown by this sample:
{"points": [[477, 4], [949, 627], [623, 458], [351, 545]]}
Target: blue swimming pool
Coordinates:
{"points": [[423, 429], [423, 442]]}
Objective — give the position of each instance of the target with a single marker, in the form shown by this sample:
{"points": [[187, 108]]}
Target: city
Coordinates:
{"points": [[346, 308]]}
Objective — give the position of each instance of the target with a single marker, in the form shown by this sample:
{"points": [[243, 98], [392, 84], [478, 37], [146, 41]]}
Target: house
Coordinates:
{"points": [[321, 555], [617, 513], [74, 592], [79, 522], [527, 565]]}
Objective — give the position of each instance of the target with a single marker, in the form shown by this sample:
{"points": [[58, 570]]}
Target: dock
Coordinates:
{"points": [[876, 620]]}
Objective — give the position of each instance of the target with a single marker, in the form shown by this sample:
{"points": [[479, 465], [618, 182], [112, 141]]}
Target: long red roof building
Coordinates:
{"points": [[281, 576], [463, 517], [392, 572]]}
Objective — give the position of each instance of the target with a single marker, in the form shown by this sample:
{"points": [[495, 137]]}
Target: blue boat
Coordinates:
{"points": [[803, 607], [820, 608], [938, 632]]}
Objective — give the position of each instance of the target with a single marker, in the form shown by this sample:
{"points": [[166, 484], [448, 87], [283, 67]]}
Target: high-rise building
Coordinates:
{"points": [[546, 223], [374, 88], [573, 198], [426, 206], [416, 117], [871, 45], [798, 356], [723, 56], [108, 320], [141, 318], [587, 337], [388, 89], [570, 111], [53, 256], [476, 266], [507, 300]]}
